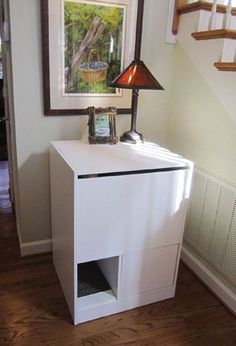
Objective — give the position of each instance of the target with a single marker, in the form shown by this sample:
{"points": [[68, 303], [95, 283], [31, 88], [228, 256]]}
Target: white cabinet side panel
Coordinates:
{"points": [[62, 201]]}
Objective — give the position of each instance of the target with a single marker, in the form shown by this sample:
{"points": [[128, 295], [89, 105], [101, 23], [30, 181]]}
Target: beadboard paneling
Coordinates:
{"points": [[211, 223]]}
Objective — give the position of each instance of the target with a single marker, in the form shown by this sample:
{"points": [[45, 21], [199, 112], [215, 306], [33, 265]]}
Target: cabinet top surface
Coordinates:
{"points": [[87, 158]]}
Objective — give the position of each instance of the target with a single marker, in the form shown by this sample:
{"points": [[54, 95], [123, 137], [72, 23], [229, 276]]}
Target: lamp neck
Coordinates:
{"points": [[139, 27], [134, 108]]}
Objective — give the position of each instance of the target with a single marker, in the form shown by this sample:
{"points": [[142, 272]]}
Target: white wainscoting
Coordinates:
{"points": [[211, 233]]}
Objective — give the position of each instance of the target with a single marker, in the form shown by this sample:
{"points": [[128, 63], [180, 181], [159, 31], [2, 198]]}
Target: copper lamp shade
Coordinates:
{"points": [[136, 76]]}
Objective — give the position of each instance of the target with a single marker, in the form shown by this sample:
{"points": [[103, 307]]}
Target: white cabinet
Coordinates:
{"points": [[118, 216]]}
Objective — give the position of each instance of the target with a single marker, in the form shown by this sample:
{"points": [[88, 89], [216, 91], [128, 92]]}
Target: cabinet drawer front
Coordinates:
{"points": [[148, 270], [114, 215]]}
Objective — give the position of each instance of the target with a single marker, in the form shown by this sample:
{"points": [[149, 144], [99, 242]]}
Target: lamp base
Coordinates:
{"points": [[132, 136]]}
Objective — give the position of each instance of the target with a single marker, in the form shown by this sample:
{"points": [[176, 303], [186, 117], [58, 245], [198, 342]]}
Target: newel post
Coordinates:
{"points": [[176, 17]]}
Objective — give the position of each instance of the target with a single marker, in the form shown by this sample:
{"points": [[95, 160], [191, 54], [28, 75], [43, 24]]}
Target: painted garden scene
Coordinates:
{"points": [[93, 46]]}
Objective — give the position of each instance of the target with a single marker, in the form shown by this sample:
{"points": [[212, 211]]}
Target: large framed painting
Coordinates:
{"points": [[85, 45]]}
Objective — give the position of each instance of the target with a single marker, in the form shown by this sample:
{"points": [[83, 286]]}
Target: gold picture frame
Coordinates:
{"points": [[102, 125]]}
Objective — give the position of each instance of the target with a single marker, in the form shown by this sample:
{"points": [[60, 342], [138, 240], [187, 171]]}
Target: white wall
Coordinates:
{"points": [[199, 126], [34, 131], [202, 130], [157, 55]]}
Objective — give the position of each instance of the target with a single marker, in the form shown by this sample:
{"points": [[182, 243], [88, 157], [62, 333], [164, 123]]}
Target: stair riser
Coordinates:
{"points": [[198, 21], [203, 54], [211, 50], [204, 20]]}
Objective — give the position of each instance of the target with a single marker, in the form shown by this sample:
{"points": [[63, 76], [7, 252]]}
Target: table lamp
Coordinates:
{"points": [[136, 76]]}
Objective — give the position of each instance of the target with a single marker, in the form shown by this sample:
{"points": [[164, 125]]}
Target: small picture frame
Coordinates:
{"points": [[102, 125]]}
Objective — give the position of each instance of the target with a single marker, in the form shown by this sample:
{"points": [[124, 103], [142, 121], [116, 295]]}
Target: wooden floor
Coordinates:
{"points": [[33, 311]]}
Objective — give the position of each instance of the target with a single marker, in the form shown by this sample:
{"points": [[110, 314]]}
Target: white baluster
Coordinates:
{"points": [[212, 21], [227, 16]]}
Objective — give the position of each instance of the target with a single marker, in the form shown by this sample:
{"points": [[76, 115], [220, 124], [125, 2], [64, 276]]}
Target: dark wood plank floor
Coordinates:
{"points": [[33, 311]]}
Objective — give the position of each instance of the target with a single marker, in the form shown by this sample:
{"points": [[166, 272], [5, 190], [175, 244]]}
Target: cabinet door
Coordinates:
{"points": [[120, 214], [148, 270]]}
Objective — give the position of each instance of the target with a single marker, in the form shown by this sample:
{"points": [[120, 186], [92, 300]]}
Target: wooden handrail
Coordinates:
{"points": [[182, 7]]}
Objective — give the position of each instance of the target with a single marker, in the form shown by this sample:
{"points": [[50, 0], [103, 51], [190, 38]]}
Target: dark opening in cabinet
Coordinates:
{"points": [[98, 276]]}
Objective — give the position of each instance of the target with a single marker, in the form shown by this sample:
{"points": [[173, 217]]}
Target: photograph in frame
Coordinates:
{"points": [[102, 125], [93, 47]]}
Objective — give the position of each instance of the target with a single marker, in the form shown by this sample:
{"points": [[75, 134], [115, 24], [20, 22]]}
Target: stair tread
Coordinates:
{"points": [[195, 6], [225, 66], [214, 34], [203, 5]]}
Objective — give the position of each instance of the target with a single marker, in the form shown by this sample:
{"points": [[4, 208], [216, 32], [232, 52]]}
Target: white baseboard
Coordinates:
{"points": [[35, 247], [215, 285]]}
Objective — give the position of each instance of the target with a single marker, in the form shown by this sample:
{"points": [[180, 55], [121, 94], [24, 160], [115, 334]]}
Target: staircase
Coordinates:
{"points": [[213, 21], [207, 33]]}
